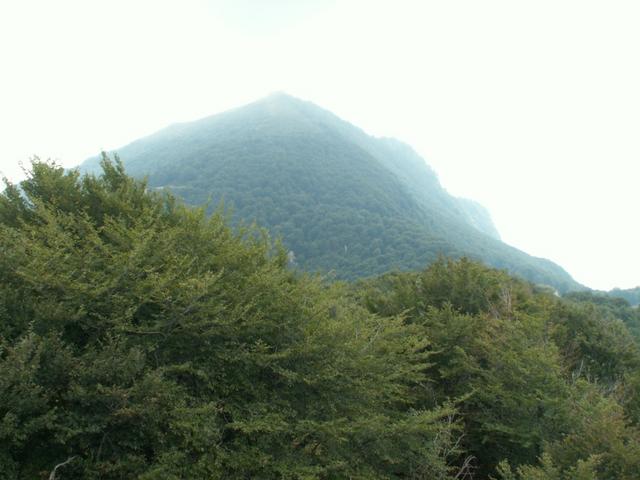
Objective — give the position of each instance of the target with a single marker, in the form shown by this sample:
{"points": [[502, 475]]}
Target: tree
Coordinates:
{"points": [[146, 339]]}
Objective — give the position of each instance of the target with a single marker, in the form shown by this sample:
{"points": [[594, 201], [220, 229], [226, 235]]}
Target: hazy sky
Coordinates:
{"points": [[530, 107]]}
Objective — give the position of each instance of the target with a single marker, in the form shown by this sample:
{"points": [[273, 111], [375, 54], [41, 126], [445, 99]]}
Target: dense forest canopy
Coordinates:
{"points": [[344, 202], [141, 338]]}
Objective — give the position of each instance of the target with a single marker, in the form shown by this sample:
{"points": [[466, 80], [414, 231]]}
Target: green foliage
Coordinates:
{"points": [[631, 295], [614, 307], [533, 376], [142, 339], [583, 470]]}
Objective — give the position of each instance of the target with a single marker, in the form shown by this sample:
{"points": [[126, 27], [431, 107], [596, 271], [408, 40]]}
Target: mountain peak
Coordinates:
{"points": [[281, 95], [280, 104], [282, 98], [342, 200]]}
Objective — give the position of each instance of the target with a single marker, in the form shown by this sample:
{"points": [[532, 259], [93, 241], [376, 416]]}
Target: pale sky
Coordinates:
{"points": [[531, 108]]}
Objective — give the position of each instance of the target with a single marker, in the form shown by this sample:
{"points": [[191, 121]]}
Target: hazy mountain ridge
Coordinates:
{"points": [[342, 200], [479, 217], [631, 295]]}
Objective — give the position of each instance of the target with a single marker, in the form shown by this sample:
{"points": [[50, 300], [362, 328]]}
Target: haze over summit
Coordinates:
{"points": [[530, 109]]}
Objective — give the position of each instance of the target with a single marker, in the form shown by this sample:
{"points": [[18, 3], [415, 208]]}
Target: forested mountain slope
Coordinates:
{"points": [[343, 201], [631, 295]]}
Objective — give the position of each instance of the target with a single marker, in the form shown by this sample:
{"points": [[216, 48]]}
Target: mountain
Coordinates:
{"points": [[343, 201], [631, 295], [479, 217]]}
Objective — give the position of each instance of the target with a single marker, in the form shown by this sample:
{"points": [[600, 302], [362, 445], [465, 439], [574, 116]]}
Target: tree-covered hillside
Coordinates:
{"points": [[545, 388], [631, 295], [341, 200], [614, 307], [143, 339]]}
